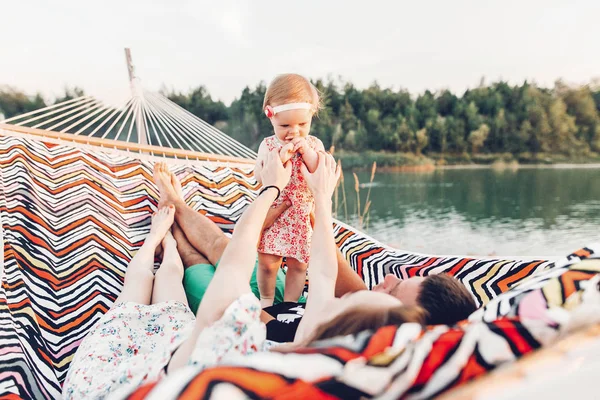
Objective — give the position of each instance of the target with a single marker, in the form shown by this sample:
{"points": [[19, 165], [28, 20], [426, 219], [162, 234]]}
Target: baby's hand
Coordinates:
{"points": [[300, 145], [287, 152]]}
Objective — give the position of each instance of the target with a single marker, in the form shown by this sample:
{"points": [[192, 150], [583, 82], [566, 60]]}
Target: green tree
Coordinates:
{"points": [[437, 132], [422, 140], [456, 134], [491, 118], [14, 102], [425, 109], [580, 103], [200, 103], [478, 137], [563, 127]]}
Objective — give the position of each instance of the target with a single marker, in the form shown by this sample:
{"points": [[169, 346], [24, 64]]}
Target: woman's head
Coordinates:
{"points": [[291, 89], [364, 317], [358, 311]]}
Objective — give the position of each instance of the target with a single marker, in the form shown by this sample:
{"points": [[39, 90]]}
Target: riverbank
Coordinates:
{"points": [[413, 162]]}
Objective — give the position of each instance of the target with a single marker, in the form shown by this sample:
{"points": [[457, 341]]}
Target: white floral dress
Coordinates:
{"points": [[133, 343]]}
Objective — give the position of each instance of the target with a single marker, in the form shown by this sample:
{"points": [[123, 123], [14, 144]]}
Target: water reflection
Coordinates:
{"points": [[482, 211]]}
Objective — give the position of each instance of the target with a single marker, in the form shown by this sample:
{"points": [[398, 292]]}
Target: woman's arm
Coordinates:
{"points": [[237, 262], [235, 268], [323, 267]]}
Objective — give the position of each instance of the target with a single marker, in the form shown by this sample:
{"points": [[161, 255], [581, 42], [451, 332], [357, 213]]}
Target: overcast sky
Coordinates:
{"points": [[227, 44]]}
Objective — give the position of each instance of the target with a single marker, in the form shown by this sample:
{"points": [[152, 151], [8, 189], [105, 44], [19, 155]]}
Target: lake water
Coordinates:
{"points": [[527, 211]]}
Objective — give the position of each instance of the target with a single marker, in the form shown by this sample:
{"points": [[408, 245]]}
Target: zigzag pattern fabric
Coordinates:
{"points": [[72, 218], [405, 361], [393, 362], [485, 278]]}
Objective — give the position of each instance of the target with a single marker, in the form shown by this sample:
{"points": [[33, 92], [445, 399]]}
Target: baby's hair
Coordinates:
{"points": [[292, 88]]}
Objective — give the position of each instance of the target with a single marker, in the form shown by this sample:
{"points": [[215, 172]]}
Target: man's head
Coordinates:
{"points": [[446, 300]]}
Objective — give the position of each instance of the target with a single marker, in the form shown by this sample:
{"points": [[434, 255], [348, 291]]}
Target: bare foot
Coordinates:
{"points": [[176, 185], [163, 180], [161, 222]]}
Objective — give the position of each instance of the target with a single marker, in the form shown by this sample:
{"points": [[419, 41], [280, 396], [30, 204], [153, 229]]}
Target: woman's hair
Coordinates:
{"points": [[292, 88], [360, 319], [368, 318]]}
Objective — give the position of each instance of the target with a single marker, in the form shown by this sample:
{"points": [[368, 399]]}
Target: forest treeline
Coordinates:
{"points": [[489, 119]]}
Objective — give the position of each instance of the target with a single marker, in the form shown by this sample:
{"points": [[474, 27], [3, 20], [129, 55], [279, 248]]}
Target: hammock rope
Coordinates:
{"points": [[145, 118]]}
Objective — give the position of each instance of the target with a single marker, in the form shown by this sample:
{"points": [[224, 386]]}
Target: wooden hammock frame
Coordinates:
{"points": [[127, 146]]}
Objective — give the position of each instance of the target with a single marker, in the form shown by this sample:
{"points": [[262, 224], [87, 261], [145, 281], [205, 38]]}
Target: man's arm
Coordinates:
{"points": [[237, 263], [347, 281]]}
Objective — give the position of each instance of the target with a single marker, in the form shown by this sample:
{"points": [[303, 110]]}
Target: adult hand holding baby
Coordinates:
{"points": [[323, 181], [287, 152], [274, 172]]}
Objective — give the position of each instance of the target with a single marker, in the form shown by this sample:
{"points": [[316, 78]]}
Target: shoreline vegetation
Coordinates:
{"points": [[495, 124], [409, 162]]}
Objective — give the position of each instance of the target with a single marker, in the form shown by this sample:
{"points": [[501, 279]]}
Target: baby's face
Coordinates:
{"points": [[291, 124]]}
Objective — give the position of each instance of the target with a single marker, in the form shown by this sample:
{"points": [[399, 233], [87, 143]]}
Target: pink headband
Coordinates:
{"points": [[271, 111]]}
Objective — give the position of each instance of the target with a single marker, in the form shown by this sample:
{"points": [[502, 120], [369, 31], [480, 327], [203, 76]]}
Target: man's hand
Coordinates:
{"points": [[287, 152], [274, 173], [323, 181]]}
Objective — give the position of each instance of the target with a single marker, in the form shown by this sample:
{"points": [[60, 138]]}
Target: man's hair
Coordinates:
{"points": [[446, 300]]}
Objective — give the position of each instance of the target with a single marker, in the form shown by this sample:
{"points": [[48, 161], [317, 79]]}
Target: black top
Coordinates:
{"points": [[287, 318]]}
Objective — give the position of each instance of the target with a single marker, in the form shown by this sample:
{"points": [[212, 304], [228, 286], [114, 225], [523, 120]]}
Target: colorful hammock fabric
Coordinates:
{"points": [[405, 362], [72, 217]]}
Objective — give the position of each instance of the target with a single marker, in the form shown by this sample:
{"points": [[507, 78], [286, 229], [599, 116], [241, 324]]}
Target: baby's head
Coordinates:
{"points": [[290, 103]]}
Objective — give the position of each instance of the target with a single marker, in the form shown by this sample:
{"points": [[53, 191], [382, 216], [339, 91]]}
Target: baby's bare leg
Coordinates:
{"points": [[294, 279], [266, 276]]}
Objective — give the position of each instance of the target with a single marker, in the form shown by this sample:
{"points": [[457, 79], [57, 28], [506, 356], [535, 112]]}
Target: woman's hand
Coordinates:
{"points": [[323, 181], [287, 152], [274, 173]]}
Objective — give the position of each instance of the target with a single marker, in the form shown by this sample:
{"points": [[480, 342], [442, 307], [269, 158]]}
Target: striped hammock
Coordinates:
{"points": [[73, 215]]}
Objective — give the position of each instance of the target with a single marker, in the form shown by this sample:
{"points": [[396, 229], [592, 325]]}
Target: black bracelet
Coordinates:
{"points": [[268, 187]]}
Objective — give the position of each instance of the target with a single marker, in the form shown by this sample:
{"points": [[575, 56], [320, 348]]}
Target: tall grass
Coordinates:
{"points": [[361, 212]]}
